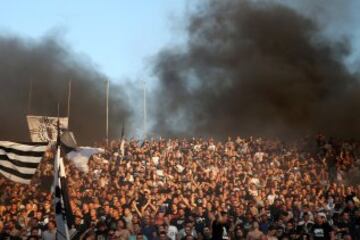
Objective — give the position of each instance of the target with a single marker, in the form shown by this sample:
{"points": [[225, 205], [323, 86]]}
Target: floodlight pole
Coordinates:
{"points": [[145, 110], [69, 100], [107, 112], [30, 97]]}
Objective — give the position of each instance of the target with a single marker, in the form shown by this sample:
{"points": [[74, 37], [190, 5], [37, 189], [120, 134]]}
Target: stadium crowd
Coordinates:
{"points": [[171, 189]]}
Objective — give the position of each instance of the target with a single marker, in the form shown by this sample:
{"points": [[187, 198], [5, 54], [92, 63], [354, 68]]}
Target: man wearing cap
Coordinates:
{"points": [[322, 229]]}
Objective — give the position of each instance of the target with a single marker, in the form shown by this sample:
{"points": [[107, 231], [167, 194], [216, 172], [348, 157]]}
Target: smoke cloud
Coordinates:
{"points": [[256, 68], [49, 64]]}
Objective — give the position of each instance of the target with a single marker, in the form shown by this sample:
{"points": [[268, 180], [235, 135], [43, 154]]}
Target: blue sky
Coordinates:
{"points": [[119, 37]]}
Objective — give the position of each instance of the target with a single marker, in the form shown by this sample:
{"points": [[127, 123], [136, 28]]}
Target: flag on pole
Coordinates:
{"points": [[44, 128], [63, 212], [79, 156], [19, 161]]}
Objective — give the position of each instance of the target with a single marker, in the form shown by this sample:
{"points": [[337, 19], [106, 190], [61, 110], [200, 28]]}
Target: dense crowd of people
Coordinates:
{"points": [[172, 189]]}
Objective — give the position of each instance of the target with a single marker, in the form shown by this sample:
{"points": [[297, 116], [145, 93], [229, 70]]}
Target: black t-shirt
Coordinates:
{"points": [[305, 228], [220, 231], [178, 222], [355, 228], [102, 234], [321, 232], [275, 212], [240, 219], [201, 222], [350, 197], [5, 236], [141, 201], [343, 225], [87, 219]]}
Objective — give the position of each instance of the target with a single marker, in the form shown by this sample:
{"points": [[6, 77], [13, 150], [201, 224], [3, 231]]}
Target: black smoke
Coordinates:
{"points": [[49, 65], [256, 68]]}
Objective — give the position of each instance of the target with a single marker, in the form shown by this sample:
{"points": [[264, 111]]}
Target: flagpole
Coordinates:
{"points": [[59, 169], [29, 98], [69, 100], [56, 160], [107, 112], [144, 105], [58, 126]]}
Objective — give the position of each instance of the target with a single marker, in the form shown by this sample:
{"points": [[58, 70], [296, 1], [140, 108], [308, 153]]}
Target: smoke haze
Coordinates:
{"points": [[269, 68], [49, 65], [257, 68]]}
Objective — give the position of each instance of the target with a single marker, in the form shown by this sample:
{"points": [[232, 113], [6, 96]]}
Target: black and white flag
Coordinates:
{"points": [[79, 156], [19, 161], [44, 128], [63, 213]]}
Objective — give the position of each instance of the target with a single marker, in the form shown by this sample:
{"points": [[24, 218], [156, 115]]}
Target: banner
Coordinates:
{"points": [[44, 129], [63, 213], [19, 161]]}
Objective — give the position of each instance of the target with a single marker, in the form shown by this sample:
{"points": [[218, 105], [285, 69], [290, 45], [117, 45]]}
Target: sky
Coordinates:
{"points": [[118, 37]]}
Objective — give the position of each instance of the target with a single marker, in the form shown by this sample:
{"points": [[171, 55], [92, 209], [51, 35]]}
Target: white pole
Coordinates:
{"points": [[69, 100], [144, 105], [107, 112], [30, 97]]}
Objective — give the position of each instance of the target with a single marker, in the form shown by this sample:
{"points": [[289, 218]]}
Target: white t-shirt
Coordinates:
{"points": [[255, 181], [271, 198], [172, 232], [155, 160], [49, 235], [197, 147], [259, 156], [212, 147]]}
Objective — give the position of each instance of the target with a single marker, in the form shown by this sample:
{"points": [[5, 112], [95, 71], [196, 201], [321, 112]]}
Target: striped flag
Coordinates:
{"points": [[19, 161], [63, 213]]}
